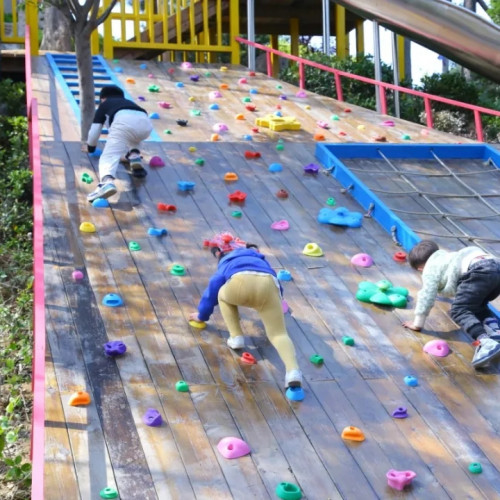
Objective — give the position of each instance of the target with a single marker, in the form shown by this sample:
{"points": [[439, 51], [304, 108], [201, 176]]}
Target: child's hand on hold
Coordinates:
{"points": [[411, 326], [194, 317]]}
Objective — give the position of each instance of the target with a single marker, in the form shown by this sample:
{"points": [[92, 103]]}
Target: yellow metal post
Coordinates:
{"points": [[340, 33], [360, 37], [31, 14], [401, 57], [274, 58], [294, 36], [94, 42], [234, 30]]}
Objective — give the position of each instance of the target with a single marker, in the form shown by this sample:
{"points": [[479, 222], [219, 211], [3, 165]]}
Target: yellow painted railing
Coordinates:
{"points": [[14, 16], [172, 25]]}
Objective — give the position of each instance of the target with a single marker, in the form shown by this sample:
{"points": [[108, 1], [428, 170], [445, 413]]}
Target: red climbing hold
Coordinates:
{"points": [[247, 358], [251, 155], [399, 257], [237, 196], [282, 193], [251, 107], [163, 207]]}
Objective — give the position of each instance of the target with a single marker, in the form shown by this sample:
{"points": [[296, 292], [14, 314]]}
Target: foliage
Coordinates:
{"points": [[15, 295], [494, 11]]}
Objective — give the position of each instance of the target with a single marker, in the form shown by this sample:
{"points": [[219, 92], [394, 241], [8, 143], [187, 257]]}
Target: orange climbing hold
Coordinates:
{"points": [[353, 434], [130, 80], [223, 86], [79, 398], [380, 138], [214, 137], [240, 116], [230, 176], [319, 137]]}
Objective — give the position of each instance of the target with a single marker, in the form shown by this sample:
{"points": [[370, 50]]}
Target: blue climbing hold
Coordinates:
{"points": [[186, 185], [96, 154], [154, 116], [179, 85], [253, 91], [295, 393], [100, 203], [112, 300], [275, 167], [411, 381], [114, 348], [340, 217], [118, 70], [248, 137], [143, 66], [284, 275], [278, 113], [214, 107], [153, 231]]}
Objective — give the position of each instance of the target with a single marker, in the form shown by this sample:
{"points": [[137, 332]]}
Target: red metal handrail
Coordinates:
{"points": [[382, 87], [38, 377]]}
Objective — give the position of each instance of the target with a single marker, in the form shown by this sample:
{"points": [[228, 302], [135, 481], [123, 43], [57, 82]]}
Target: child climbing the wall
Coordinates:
{"points": [[244, 278], [472, 277], [128, 125]]}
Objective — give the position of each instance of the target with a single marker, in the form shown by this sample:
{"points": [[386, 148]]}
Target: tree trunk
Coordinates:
{"points": [[86, 79], [56, 31]]}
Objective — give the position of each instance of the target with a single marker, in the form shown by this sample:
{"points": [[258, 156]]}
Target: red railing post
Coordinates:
{"points": [[383, 100], [479, 125], [302, 76], [338, 87], [269, 64], [428, 112]]}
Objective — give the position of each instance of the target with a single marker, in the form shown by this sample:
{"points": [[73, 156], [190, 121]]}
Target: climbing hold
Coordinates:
{"points": [[200, 162], [220, 127], [112, 300], [154, 116], [194, 78], [281, 225], [248, 359], [424, 132], [133, 246], [237, 196], [154, 88], [362, 260], [284, 275], [77, 275], [382, 293], [301, 93], [246, 99], [348, 340], [239, 116], [311, 168], [214, 137], [153, 231], [352, 433], [87, 178], [319, 137], [399, 257], [87, 227], [278, 113], [400, 412], [282, 193], [114, 348], [380, 138], [340, 217], [361, 127], [186, 185], [278, 123], [252, 155], [295, 393], [411, 381], [232, 447], [156, 161], [388, 123], [192, 149], [342, 133], [253, 91], [255, 130], [307, 106], [347, 110], [251, 73], [224, 86], [312, 250], [223, 68], [152, 418], [118, 69], [230, 176], [242, 81], [334, 118], [215, 94], [165, 105], [108, 492], [197, 324], [181, 386], [237, 214], [322, 124], [130, 80], [163, 207], [186, 65], [251, 107], [247, 137], [167, 131], [288, 491], [275, 167], [213, 107], [179, 85], [331, 202], [79, 398], [177, 270], [195, 112], [475, 468], [316, 359], [280, 147], [284, 306], [150, 75], [181, 123], [399, 479], [406, 137], [100, 203], [141, 98], [207, 74], [437, 347]]}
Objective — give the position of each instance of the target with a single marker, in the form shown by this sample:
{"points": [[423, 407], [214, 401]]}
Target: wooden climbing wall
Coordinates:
{"points": [[453, 419]]}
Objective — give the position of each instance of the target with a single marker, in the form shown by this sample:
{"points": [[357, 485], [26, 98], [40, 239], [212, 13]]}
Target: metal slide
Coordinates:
{"points": [[448, 29]]}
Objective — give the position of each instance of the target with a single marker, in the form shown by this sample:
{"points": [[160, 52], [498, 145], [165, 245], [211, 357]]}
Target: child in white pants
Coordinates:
{"points": [[128, 125]]}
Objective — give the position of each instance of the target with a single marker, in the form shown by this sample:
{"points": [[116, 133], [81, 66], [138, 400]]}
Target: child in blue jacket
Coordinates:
{"points": [[244, 278]]}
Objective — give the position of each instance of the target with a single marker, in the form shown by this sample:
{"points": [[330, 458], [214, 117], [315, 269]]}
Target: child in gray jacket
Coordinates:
{"points": [[472, 277]]}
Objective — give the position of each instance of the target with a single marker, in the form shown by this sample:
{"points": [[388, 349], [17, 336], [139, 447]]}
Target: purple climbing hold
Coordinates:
{"points": [[194, 78], [141, 98], [152, 418], [311, 168], [114, 348], [301, 93], [400, 412]]}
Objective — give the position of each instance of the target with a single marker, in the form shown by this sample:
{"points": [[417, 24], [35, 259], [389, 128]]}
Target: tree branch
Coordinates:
{"points": [[106, 13]]}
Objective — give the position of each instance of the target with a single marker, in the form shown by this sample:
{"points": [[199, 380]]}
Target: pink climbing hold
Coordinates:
{"points": [[171, 71], [186, 65], [150, 75], [233, 447], [215, 94], [77, 275], [362, 260], [156, 161], [164, 105], [280, 225], [301, 93], [398, 479], [323, 124], [284, 306], [220, 127], [388, 123], [242, 81], [437, 347]]}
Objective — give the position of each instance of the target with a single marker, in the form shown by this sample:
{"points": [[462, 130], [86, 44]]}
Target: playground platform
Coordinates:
{"points": [[453, 417]]}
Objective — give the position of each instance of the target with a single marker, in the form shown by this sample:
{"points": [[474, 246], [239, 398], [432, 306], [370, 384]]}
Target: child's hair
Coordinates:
{"points": [[111, 91], [219, 254], [421, 252]]}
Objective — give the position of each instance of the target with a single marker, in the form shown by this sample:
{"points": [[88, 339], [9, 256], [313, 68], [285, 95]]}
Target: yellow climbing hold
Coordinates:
{"points": [[223, 68], [192, 149], [192, 99], [198, 324], [312, 250], [278, 123], [87, 227]]}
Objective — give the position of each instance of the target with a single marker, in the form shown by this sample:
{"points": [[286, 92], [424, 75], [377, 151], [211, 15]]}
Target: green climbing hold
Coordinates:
{"points": [[182, 386], [288, 491], [167, 131], [207, 73], [116, 61], [398, 300], [237, 214], [133, 246], [331, 202], [178, 270], [108, 492], [406, 137], [200, 162], [280, 147], [475, 468], [383, 285], [279, 86], [348, 340], [87, 178], [382, 293], [247, 99], [335, 118], [154, 88], [316, 359], [195, 112], [280, 141]]}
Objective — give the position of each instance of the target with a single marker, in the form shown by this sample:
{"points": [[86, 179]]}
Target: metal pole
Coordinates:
{"points": [[395, 70], [326, 27], [251, 33], [376, 57]]}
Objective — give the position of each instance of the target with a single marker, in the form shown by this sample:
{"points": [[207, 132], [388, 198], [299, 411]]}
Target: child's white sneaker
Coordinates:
{"points": [[103, 190], [293, 378], [486, 350], [236, 342], [491, 326]]}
